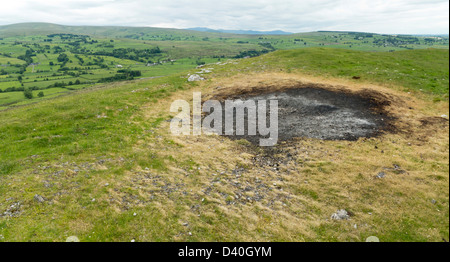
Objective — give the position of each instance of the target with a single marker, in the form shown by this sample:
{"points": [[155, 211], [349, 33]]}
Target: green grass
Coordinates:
{"points": [[72, 128], [17, 98], [416, 70], [9, 60], [56, 117]]}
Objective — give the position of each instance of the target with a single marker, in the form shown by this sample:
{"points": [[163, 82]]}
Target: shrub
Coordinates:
{"points": [[28, 93]]}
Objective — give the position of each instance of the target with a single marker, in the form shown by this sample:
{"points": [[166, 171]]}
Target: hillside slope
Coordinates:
{"points": [[101, 163]]}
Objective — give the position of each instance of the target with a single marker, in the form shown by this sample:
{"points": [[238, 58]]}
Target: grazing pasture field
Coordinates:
{"points": [[39, 56]]}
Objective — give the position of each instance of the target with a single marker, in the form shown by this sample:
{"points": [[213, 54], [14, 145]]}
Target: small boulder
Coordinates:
{"points": [[39, 198], [340, 215], [194, 78], [72, 239], [381, 175], [372, 239]]}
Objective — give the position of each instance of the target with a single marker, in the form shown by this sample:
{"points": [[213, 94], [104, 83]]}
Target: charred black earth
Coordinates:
{"points": [[324, 114]]}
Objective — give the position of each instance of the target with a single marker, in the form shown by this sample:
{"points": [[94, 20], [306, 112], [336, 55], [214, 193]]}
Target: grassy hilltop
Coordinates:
{"points": [[97, 160]]}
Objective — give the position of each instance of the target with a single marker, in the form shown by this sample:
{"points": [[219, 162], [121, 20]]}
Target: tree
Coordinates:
{"points": [[41, 94], [28, 94], [63, 58]]}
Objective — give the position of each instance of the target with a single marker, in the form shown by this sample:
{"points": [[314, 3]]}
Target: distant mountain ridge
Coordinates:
{"points": [[23, 29], [240, 32], [39, 28]]}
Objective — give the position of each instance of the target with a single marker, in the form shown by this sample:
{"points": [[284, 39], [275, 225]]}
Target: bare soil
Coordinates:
{"points": [[316, 112]]}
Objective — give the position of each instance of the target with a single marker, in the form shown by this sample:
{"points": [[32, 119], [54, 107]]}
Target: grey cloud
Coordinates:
{"points": [[381, 16]]}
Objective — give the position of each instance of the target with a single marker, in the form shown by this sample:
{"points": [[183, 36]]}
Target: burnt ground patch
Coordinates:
{"points": [[316, 112]]}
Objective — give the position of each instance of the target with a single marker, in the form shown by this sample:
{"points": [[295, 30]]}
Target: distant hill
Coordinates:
{"points": [[240, 32], [26, 29], [354, 32], [433, 35]]}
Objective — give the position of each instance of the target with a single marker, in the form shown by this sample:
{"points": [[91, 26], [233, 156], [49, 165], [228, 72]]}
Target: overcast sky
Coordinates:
{"points": [[378, 16]]}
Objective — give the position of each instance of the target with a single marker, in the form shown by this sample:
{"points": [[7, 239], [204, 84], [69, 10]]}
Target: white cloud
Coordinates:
{"points": [[381, 16]]}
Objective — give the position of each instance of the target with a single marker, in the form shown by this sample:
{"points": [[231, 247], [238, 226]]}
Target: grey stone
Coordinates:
{"points": [[381, 175], [194, 78], [340, 215], [372, 239], [72, 239], [39, 198], [13, 211]]}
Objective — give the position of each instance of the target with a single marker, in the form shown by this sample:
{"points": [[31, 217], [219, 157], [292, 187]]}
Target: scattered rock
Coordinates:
{"points": [[13, 211], [340, 215], [205, 71], [372, 239], [381, 175], [39, 198], [72, 239], [396, 170], [194, 78], [433, 202]]}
